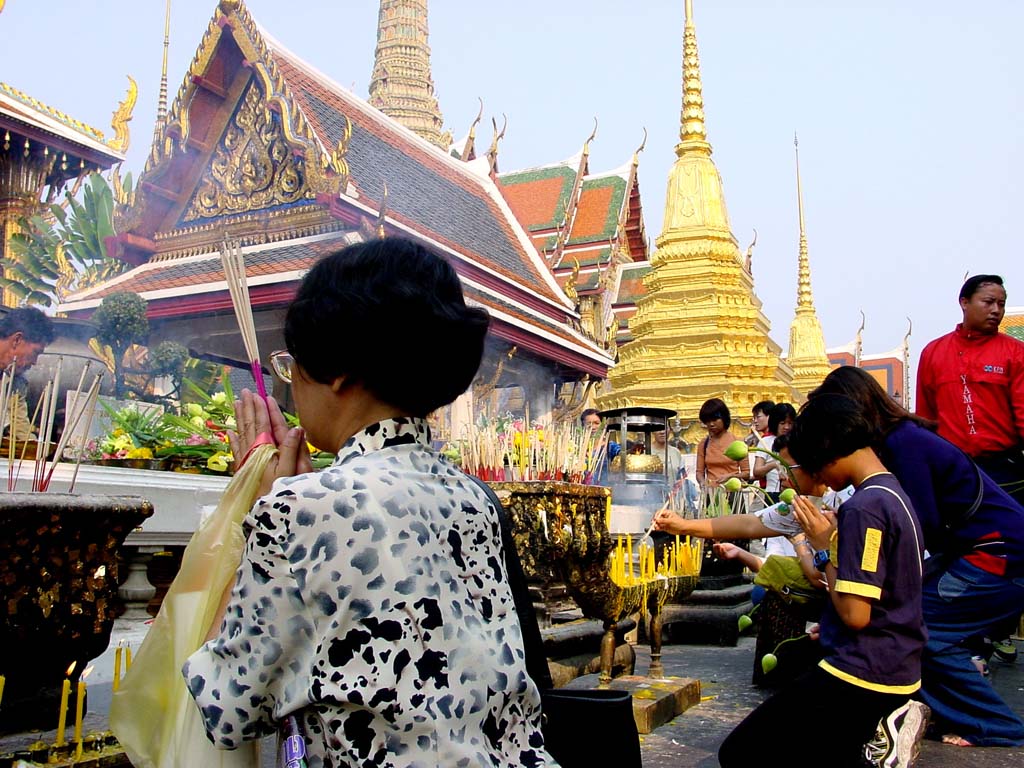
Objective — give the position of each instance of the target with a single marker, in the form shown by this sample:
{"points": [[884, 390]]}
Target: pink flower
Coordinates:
{"points": [[196, 440]]}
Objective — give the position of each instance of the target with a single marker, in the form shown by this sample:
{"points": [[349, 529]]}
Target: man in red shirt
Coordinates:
{"points": [[971, 381]]}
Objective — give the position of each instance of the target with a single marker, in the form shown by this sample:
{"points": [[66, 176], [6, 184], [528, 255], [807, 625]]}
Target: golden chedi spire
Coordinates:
{"points": [[699, 331], [401, 85], [806, 355]]}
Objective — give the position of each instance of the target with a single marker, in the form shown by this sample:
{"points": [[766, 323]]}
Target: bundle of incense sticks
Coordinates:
{"points": [[560, 452], [44, 417], [234, 274]]}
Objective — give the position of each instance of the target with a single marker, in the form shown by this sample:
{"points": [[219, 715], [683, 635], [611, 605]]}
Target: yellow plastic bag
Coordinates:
{"points": [[153, 715]]}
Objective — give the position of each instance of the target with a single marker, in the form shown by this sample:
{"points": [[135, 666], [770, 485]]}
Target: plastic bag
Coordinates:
{"points": [[153, 714], [782, 574]]}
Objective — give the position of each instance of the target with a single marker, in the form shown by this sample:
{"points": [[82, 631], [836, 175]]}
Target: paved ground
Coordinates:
{"points": [[690, 740]]}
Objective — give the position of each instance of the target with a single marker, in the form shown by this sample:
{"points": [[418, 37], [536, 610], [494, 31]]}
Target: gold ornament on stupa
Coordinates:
{"points": [[699, 331], [401, 85], [807, 355]]}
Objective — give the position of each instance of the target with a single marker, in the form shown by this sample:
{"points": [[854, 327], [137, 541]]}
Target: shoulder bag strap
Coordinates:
{"points": [[533, 644]]}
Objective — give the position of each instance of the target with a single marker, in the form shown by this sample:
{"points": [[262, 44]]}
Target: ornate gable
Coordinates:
{"points": [[235, 142], [252, 166]]}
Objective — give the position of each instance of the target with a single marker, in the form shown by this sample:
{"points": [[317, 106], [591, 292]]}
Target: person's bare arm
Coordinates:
{"points": [[727, 527]]}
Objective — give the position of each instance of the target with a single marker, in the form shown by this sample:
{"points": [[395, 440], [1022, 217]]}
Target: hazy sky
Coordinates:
{"points": [[909, 115]]}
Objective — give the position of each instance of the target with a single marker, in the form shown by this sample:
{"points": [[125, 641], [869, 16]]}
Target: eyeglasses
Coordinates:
{"points": [[282, 362]]}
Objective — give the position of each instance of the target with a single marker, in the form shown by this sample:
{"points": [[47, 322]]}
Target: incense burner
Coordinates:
{"points": [[561, 535], [58, 586]]}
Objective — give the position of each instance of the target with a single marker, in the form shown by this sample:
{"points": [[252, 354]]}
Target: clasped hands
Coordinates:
{"points": [[258, 421]]}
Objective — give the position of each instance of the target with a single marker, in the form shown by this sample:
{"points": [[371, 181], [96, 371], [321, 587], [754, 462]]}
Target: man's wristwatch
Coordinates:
{"points": [[821, 559]]}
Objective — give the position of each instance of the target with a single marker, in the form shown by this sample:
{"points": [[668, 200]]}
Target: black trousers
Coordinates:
{"points": [[821, 717]]}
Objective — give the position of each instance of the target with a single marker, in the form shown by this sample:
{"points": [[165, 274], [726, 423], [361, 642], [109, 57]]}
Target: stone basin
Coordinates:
{"points": [[58, 586]]}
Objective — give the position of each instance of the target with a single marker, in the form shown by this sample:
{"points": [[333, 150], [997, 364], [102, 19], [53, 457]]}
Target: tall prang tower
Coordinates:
{"points": [[401, 85], [699, 331], [807, 355]]}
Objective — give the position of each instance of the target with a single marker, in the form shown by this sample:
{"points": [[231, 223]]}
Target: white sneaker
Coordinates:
{"points": [[897, 740]]}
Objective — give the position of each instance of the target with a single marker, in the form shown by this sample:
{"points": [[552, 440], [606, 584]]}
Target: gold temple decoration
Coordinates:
{"points": [[572, 204], [469, 148], [252, 166], [274, 126], [858, 343], [749, 258], [122, 116], [906, 364], [401, 85], [699, 331], [806, 355], [492, 151]]}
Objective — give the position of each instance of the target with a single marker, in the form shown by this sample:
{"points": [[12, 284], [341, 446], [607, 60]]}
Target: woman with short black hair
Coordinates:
{"points": [[372, 601]]}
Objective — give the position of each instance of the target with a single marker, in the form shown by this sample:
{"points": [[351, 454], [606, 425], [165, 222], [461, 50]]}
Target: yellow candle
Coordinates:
{"points": [[127, 658], [62, 715], [629, 555], [117, 667], [79, 711], [2, 681], [79, 706], [608, 511]]}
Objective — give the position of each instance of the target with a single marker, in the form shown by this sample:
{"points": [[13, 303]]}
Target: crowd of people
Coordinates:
{"points": [[372, 602]]}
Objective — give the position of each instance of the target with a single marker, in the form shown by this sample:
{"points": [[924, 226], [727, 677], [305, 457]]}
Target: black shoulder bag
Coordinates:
{"points": [[582, 728]]}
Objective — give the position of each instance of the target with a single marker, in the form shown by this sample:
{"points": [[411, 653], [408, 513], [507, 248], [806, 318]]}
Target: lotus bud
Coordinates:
{"points": [[769, 662], [787, 496], [744, 622], [737, 450], [733, 484]]}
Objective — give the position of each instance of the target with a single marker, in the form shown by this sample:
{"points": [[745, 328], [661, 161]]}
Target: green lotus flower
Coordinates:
{"points": [[769, 662], [733, 484], [787, 496], [737, 450], [744, 622]]}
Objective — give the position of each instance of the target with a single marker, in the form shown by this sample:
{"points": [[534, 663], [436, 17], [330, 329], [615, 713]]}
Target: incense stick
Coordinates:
{"points": [[234, 273], [94, 394]]}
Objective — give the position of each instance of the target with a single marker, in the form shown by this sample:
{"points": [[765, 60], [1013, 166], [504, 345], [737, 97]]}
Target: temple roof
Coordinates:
{"points": [[21, 112], [349, 165]]}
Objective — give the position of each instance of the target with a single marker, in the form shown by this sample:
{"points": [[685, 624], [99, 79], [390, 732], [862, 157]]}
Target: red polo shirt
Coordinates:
{"points": [[972, 384]]}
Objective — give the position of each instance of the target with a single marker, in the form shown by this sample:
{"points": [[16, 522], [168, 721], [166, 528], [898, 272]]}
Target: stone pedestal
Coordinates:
{"points": [[137, 591], [656, 700]]}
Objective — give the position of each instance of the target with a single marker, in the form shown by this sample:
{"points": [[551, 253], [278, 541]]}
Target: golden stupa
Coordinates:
{"points": [[699, 331], [401, 85], [807, 355]]}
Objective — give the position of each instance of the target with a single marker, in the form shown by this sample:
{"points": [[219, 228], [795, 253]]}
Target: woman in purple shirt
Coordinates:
{"points": [[974, 576]]}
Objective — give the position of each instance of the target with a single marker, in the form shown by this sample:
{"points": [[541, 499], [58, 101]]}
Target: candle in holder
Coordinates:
{"points": [[79, 710], [2, 681], [65, 692], [117, 666], [127, 657]]}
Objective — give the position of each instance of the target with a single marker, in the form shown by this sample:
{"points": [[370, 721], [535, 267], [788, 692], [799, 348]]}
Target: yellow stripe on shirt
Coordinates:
{"points": [[856, 588], [852, 680]]}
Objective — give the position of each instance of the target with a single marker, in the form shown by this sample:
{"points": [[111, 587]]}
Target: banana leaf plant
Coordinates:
{"points": [[62, 249]]}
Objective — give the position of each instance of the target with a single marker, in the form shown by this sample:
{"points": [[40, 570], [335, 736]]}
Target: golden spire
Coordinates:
{"points": [[161, 106], [699, 330], [692, 133], [804, 298], [401, 85], [807, 356]]}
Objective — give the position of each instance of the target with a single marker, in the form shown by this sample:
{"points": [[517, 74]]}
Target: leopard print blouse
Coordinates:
{"points": [[372, 601]]}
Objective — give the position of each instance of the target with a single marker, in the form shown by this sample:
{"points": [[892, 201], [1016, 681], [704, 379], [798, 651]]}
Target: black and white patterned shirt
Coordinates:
{"points": [[372, 600]]}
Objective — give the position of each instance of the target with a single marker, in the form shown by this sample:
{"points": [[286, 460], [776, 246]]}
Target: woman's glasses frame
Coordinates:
{"points": [[282, 362]]}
